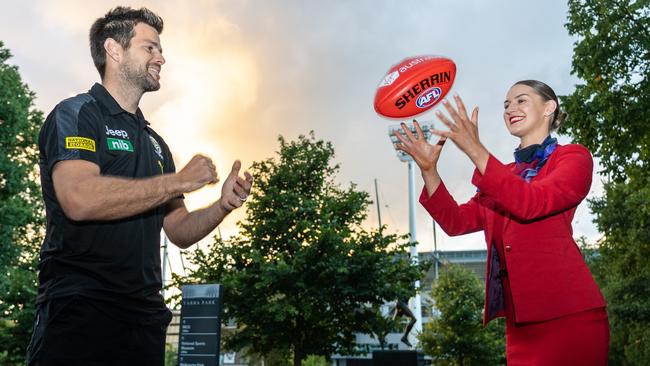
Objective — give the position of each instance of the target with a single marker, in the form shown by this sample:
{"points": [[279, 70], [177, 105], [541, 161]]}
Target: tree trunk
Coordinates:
{"points": [[297, 357]]}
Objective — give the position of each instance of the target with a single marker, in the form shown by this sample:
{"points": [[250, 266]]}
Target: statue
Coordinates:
{"points": [[402, 309]]}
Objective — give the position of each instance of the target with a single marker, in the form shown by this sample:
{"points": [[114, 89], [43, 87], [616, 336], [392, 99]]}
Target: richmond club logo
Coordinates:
{"points": [[156, 147]]}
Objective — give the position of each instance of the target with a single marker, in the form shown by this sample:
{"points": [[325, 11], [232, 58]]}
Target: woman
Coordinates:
{"points": [[535, 275]]}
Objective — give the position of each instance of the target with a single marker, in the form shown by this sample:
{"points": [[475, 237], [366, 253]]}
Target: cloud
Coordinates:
{"points": [[239, 73]]}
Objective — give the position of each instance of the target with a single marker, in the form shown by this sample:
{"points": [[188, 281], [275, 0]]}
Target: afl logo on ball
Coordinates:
{"points": [[429, 97]]}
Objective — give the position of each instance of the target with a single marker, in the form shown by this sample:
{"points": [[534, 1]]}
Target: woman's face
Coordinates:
{"points": [[526, 113]]}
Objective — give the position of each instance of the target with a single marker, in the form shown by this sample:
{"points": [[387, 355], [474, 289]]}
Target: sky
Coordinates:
{"points": [[241, 73]]}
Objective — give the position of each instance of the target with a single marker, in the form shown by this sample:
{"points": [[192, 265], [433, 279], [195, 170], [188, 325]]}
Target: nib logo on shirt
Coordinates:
{"points": [[122, 144], [119, 144]]}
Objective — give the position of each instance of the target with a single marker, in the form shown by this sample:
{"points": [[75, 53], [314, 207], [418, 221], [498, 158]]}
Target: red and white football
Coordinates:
{"points": [[414, 85]]}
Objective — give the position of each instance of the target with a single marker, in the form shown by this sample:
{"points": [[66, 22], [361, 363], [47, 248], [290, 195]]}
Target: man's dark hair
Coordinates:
{"points": [[118, 24]]}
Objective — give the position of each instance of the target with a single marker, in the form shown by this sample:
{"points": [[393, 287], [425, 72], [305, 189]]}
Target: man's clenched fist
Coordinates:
{"points": [[197, 173]]}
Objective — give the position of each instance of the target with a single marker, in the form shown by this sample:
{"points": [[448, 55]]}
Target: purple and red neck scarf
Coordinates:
{"points": [[529, 160]]}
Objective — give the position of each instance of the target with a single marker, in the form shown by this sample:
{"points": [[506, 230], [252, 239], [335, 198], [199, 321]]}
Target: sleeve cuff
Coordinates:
{"points": [[426, 200], [492, 177]]}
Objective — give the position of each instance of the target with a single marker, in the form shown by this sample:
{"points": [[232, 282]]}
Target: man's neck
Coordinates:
{"points": [[127, 97]]}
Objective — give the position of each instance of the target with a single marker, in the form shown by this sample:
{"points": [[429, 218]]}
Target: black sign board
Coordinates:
{"points": [[402, 358], [200, 326]]}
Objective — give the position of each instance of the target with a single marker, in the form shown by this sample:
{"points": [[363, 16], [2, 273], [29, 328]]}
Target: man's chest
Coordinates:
{"points": [[129, 149]]}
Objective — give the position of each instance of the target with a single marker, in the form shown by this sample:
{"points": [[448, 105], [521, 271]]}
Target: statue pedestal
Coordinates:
{"points": [[401, 358]]}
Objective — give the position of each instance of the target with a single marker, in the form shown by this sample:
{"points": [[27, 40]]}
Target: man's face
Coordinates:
{"points": [[143, 59]]}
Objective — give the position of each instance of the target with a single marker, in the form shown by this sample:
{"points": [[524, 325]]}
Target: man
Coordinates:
{"points": [[110, 185]]}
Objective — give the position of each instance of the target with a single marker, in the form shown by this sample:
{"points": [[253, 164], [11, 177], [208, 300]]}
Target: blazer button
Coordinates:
{"points": [[508, 248]]}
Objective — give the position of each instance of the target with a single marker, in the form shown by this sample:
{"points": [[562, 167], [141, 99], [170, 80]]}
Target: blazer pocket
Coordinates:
{"points": [[557, 245]]}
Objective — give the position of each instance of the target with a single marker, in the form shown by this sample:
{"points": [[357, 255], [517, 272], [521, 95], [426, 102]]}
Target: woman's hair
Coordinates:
{"points": [[547, 94]]}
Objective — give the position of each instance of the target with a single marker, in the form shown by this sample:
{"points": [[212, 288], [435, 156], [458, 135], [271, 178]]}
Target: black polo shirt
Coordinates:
{"points": [[119, 260]]}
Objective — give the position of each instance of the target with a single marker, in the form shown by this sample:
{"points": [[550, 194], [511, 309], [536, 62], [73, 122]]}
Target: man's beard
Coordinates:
{"points": [[139, 77]]}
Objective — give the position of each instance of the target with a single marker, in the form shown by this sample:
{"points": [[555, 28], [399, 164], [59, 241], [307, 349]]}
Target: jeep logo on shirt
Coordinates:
{"points": [[117, 133]]}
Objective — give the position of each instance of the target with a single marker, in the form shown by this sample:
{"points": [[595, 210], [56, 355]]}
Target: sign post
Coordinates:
{"points": [[200, 325]]}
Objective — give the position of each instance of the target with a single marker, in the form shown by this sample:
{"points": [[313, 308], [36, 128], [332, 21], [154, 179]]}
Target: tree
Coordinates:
{"points": [[21, 211], [622, 268], [302, 276], [608, 113], [456, 336]]}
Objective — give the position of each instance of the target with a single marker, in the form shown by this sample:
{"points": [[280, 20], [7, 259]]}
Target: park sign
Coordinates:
{"points": [[200, 325]]}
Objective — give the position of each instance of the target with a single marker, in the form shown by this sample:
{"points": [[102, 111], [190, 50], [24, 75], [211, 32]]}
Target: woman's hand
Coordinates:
{"points": [[425, 155], [463, 131]]}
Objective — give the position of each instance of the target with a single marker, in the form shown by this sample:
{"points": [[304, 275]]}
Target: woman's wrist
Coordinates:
{"points": [[431, 180], [430, 173], [480, 157]]}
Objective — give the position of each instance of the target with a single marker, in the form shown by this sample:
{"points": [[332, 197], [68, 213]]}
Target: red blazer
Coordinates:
{"points": [[548, 277]]}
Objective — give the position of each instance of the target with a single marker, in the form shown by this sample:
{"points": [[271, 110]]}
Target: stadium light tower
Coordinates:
{"points": [[415, 304]]}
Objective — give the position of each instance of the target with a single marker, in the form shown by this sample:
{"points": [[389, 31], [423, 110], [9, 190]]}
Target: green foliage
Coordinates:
{"points": [[302, 276], [457, 336], [21, 211], [382, 326], [171, 355], [609, 114], [622, 268], [312, 360]]}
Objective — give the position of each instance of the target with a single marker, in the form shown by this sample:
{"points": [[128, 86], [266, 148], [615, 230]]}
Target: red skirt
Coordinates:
{"points": [[572, 340]]}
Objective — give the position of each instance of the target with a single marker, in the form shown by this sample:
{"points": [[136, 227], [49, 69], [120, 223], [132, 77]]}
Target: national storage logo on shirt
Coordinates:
{"points": [[119, 144], [80, 143]]}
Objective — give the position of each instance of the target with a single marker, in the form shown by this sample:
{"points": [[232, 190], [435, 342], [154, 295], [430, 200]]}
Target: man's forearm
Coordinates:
{"points": [[195, 225], [111, 198]]}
